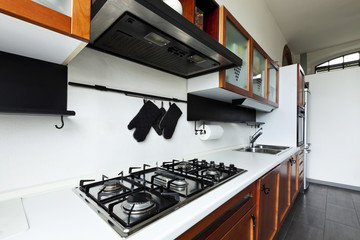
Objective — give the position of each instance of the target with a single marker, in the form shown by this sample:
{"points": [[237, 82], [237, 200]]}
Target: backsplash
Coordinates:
{"points": [[34, 152]]}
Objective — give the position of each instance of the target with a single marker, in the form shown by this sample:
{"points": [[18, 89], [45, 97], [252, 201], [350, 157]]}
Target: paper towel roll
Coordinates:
{"points": [[212, 132]]}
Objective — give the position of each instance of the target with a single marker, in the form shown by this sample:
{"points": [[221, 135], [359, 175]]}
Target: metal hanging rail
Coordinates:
{"points": [[127, 93]]}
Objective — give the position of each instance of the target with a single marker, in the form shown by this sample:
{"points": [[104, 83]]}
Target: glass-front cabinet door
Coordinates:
{"points": [[259, 78], [236, 39], [273, 83]]}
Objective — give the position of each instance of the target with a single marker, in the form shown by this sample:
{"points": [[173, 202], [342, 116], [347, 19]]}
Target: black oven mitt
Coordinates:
{"points": [[169, 121], [143, 120], [156, 124]]}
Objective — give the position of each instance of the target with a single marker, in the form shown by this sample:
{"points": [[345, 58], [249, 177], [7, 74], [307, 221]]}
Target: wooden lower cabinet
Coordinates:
{"points": [[284, 190], [294, 188], [300, 162], [268, 198], [244, 228], [258, 211], [235, 219]]}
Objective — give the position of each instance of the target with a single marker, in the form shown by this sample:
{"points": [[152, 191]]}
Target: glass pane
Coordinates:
{"points": [[272, 83], [62, 6], [238, 44], [336, 61], [324, 64], [351, 57], [258, 73]]}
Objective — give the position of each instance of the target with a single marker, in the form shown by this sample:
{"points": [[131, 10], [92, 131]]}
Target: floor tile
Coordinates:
{"points": [[355, 196], [317, 188], [340, 197], [357, 206], [336, 231], [312, 200], [304, 232], [342, 215], [310, 216]]}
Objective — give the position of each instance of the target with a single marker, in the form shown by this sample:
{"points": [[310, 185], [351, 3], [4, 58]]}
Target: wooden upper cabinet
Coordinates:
{"points": [[76, 25], [300, 86], [34, 30], [238, 40], [259, 73], [273, 83], [204, 14]]}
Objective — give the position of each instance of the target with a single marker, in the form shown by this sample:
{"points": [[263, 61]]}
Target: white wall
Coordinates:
{"points": [[34, 152], [256, 18], [334, 131]]}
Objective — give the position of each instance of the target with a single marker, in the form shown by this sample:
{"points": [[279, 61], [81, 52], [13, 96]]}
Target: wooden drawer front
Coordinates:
{"points": [[301, 165], [301, 178], [221, 220], [225, 228], [245, 227]]}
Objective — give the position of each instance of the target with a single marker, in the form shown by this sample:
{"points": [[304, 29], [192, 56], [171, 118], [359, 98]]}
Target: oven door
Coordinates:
{"points": [[300, 126]]}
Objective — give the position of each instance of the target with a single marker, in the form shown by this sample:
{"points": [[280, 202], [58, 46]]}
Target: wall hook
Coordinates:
{"points": [[199, 130], [62, 123]]}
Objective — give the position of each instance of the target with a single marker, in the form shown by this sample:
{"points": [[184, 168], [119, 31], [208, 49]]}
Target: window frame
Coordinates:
{"points": [[342, 65]]}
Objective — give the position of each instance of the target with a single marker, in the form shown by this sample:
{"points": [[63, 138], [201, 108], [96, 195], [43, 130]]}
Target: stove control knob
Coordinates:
{"points": [[203, 163], [221, 165], [212, 164], [232, 167]]}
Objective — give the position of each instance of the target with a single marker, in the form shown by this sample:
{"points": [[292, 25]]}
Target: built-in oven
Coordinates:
{"points": [[300, 126]]}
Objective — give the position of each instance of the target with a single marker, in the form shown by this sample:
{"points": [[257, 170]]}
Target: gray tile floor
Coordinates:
{"points": [[323, 213]]}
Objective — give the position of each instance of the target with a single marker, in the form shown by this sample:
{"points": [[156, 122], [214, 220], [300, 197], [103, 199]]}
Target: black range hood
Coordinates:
{"points": [[149, 32]]}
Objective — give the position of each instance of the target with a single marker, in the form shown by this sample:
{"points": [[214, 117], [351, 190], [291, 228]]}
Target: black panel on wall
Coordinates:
{"points": [[200, 108], [32, 86]]}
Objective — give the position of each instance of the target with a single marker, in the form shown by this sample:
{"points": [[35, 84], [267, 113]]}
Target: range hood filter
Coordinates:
{"points": [[151, 33], [133, 39]]}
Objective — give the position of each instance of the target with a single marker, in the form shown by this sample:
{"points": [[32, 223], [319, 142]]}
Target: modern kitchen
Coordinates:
{"points": [[179, 119]]}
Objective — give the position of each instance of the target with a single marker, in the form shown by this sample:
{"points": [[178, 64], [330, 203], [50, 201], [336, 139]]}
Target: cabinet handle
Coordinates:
{"points": [[292, 161], [254, 220], [266, 190]]}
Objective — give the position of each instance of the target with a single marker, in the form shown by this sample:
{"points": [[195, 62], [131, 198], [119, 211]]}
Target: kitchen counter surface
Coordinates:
{"points": [[61, 214]]}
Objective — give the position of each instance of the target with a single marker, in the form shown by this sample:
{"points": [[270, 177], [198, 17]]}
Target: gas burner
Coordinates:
{"points": [[212, 172], [138, 203], [177, 183], [183, 166], [112, 186]]}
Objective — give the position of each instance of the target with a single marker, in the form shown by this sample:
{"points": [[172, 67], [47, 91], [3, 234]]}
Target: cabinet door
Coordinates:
{"points": [[234, 37], [301, 85], [244, 229], [258, 73], [293, 178], [273, 83], [284, 187], [268, 187], [300, 167]]}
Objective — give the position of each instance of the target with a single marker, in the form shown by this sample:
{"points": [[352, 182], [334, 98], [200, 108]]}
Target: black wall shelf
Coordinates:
{"points": [[36, 112], [205, 109], [30, 86]]}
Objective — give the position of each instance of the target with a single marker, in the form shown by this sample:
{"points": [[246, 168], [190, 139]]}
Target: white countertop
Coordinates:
{"points": [[61, 214]]}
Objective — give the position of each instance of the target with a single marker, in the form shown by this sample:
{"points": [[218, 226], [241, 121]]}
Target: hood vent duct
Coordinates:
{"points": [[151, 33]]}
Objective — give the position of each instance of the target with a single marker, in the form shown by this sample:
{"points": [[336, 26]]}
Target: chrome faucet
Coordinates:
{"points": [[255, 136]]}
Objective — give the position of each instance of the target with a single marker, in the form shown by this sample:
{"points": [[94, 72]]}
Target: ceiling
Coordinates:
{"points": [[310, 25]]}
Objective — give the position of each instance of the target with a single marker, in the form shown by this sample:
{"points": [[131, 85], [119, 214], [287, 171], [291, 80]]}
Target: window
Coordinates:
{"points": [[345, 61]]}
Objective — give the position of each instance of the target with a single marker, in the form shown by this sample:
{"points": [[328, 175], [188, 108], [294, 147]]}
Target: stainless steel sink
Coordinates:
{"points": [[270, 147], [267, 149]]}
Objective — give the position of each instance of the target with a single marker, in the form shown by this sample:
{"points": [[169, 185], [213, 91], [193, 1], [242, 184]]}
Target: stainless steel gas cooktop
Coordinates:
{"points": [[131, 202]]}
